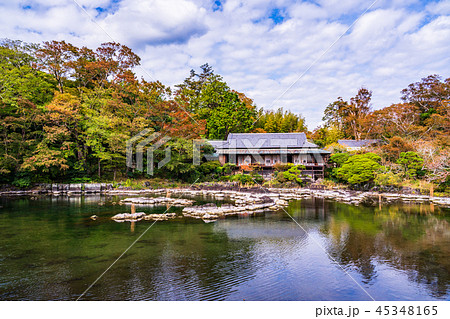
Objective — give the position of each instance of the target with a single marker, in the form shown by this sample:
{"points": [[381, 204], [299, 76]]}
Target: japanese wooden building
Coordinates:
{"points": [[267, 149]]}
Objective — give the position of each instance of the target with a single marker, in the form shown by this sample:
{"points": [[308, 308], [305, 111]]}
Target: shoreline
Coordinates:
{"points": [[222, 191]]}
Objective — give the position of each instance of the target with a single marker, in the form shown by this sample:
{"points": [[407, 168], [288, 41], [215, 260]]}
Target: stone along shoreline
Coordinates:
{"points": [[246, 201], [347, 196], [255, 201]]}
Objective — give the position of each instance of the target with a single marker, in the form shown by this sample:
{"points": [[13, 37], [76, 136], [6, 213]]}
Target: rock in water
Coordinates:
{"points": [[125, 216]]}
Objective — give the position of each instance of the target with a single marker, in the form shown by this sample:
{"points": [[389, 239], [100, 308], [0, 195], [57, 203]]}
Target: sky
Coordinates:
{"points": [[299, 55]]}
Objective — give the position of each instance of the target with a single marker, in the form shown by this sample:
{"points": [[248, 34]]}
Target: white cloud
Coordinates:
{"points": [[138, 23], [394, 44], [439, 8]]}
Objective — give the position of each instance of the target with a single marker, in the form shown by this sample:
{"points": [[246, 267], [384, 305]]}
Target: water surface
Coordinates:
{"points": [[50, 249]]}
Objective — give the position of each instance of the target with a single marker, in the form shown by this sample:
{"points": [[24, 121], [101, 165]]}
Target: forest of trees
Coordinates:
{"points": [[413, 136], [66, 113]]}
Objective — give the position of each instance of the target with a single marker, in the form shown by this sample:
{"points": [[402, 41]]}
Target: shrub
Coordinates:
{"points": [[336, 148], [290, 174], [226, 169], [412, 164], [339, 158], [23, 182], [252, 178], [81, 180], [328, 183], [280, 167], [359, 169], [388, 179]]}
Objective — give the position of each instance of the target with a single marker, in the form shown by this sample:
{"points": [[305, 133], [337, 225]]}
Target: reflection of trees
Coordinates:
{"points": [[51, 249], [193, 264], [406, 237]]}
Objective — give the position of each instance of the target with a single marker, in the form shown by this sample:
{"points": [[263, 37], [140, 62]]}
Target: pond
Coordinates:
{"points": [[50, 249]]}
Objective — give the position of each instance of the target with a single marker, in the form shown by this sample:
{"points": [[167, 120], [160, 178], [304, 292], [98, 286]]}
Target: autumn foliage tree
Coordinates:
{"points": [[350, 117], [80, 130]]}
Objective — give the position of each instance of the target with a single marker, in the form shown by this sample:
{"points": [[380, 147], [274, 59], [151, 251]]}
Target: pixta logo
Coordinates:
{"points": [[151, 143]]}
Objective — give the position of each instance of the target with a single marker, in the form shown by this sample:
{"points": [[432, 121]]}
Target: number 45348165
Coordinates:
{"points": [[407, 310]]}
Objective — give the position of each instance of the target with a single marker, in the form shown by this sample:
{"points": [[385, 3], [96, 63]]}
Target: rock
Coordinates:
{"points": [[281, 202], [126, 216], [158, 201], [75, 188], [92, 188]]}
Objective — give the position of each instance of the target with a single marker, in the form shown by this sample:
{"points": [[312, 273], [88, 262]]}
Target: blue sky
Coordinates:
{"points": [[260, 47]]}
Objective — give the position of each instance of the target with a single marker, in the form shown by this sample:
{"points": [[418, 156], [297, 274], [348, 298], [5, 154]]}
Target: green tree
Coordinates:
{"points": [[359, 169], [280, 121], [412, 164]]}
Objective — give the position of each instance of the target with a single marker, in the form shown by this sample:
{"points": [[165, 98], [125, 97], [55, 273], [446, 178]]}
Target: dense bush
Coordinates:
{"points": [[388, 179], [248, 179], [289, 173], [359, 169], [412, 164]]}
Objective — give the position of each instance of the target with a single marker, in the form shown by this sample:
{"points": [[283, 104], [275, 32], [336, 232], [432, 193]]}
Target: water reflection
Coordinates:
{"points": [[50, 249], [406, 237]]}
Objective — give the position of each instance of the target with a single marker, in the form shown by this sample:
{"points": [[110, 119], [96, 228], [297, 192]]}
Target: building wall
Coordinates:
{"points": [[270, 160], [222, 159]]}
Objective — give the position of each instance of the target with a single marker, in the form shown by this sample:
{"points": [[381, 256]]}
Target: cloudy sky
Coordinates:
{"points": [[300, 55]]}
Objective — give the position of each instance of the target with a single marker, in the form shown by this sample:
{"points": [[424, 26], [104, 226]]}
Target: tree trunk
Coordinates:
{"points": [[99, 169]]}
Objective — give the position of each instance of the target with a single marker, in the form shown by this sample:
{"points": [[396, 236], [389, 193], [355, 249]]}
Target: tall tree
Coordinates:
{"points": [[55, 57], [351, 116]]}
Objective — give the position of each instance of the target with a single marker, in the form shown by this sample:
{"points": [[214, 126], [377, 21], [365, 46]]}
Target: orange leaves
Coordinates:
{"points": [[179, 123]]}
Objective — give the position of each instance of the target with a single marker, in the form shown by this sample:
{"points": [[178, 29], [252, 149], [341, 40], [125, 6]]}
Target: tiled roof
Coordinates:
{"points": [[217, 143], [357, 143], [267, 140]]}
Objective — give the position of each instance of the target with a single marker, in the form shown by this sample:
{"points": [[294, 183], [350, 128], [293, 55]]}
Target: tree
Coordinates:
{"points": [[23, 91], [113, 61], [192, 87], [350, 117], [429, 95], [396, 120], [19, 79], [60, 131], [334, 114], [280, 121], [360, 169], [55, 57], [412, 164], [395, 147], [229, 116]]}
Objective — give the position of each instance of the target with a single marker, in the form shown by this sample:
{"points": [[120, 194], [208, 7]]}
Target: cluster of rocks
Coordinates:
{"points": [[211, 212], [234, 193], [272, 199], [158, 201], [63, 189], [345, 196], [244, 204]]}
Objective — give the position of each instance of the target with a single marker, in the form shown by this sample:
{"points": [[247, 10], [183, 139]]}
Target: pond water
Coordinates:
{"points": [[50, 249]]}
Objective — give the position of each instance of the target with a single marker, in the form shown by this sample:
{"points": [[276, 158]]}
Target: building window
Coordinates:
{"points": [[268, 161]]}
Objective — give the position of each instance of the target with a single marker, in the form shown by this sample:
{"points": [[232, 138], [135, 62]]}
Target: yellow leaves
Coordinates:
{"points": [[44, 159], [64, 107], [55, 133]]}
